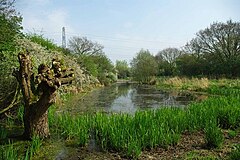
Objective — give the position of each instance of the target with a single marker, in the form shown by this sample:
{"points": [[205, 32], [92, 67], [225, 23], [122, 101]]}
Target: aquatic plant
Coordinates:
{"points": [[73, 127], [131, 134]]}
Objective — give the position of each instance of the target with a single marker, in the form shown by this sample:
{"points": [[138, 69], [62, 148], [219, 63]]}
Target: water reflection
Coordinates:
{"points": [[140, 97], [128, 98]]}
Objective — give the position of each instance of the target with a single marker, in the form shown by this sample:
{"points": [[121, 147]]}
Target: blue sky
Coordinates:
{"points": [[126, 26]]}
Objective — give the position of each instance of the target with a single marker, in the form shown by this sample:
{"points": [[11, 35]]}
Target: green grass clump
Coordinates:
{"points": [[73, 127], [144, 130], [3, 133], [16, 151], [35, 145], [8, 152], [213, 135], [232, 133], [235, 154]]}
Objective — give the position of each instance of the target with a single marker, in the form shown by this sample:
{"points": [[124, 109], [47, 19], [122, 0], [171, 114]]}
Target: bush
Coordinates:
{"points": [[8, 83], [44, 42], [40, 55]]}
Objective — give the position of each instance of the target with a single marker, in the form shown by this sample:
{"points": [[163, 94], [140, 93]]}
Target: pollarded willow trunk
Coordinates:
{"points": [[39, 92]]}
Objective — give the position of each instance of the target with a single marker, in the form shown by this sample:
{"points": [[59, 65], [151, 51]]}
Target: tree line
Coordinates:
{"points": [[214, 53]]}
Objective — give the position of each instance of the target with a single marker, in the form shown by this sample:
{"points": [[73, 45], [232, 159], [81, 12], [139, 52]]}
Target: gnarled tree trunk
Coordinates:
{"points": [[39, 92]]}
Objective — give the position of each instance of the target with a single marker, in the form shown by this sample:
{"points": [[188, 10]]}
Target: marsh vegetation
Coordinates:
{"points": [[214, 120]]}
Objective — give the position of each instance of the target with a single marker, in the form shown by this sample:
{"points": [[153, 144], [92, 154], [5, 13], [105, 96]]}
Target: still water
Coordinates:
{"points": [[127, 98]]}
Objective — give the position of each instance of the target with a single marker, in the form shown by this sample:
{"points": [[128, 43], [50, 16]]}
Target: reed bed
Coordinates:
{"points": [[131, 134], [185, 83]]}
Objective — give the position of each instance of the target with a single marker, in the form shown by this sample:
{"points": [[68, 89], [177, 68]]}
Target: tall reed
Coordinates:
{"points": [[131, 134]]}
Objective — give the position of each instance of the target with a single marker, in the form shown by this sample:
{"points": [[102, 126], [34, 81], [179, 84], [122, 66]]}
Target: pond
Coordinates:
{"points": [[127, 98]]}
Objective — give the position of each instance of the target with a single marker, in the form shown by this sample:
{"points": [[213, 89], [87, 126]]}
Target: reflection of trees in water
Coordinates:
{"points": [[107, 95], [122, 89], [124, 97], [149, 97]]}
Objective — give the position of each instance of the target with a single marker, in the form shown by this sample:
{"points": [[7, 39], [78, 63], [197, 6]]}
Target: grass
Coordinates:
{"points": [[184, 83], [15, 151], [34, 146], [20, 113], [235, 154], [131, 135], [232, 133], [3, 133], [8, 152], [213, 135]]}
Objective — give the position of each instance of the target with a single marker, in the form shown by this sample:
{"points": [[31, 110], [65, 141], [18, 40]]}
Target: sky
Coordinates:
{"points": [[124, 27]]}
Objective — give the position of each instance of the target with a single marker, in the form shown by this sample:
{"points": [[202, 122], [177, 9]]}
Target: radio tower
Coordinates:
{"points": [[63, 38]]}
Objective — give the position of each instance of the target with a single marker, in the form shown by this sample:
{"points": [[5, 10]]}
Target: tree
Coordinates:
{"points": [[122, 69], [188, 65], [39, 92], [84, 46], [7, 7], [220, 45], [91, 56], [10, 25], [106, 70], [167, 60], [144, 66]]}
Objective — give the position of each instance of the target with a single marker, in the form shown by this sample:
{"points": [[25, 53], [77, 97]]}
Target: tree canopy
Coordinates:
{"points": [[10, 25], [122, 69], [84, 46], [219, 46], [144, 66], [166, 59]]}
